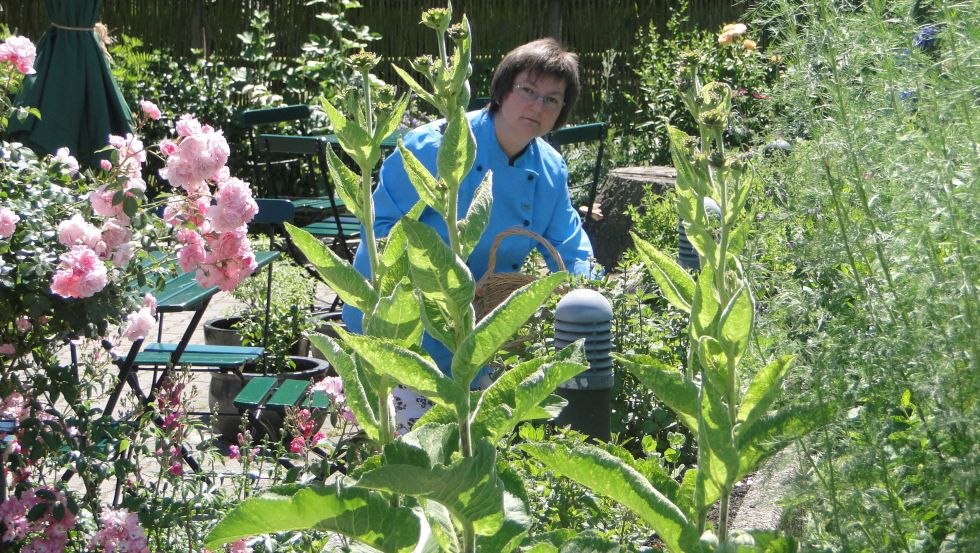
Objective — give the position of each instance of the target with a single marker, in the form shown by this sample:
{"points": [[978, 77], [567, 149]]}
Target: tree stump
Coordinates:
{"points": [[623, 187]]}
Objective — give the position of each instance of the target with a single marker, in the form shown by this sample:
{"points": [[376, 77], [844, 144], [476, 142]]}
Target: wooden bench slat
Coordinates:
{"points": [[254, 392], [288, 394]]}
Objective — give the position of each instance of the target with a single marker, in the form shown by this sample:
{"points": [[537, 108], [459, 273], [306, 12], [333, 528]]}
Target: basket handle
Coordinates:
{"points": [[514, 231]]}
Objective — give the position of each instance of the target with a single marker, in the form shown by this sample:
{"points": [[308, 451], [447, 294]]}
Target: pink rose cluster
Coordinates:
{"points": [[211, 224], [120, 533], [8, 222], [47, 533], [19, 51]]}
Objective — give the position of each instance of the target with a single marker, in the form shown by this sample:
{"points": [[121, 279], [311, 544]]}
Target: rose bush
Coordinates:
{"points": [[80, 250]]}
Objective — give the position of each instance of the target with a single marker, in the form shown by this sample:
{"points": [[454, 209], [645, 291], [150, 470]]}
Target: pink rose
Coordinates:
{"points": [[150, 110], [240, 546], [8, 222], [167, 147], [139, 324], [76, 231], [23, 323], [80, 275], [235, 206], [19, 51], [101, 200], [187, 125], [7, 349], [63, 156], [105, 164], [192, 253], [333, 386]]}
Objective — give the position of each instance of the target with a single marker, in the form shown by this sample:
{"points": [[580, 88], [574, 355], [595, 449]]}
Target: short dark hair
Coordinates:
{"points": [[540, 57]]}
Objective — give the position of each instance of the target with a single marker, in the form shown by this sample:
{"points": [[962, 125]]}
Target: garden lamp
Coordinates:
{"points": [[584, 313]]}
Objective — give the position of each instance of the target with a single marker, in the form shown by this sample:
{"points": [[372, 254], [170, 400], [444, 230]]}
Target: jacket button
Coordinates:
{"points": [[479, 168], [515, 266], [530, 177], [527, 223]]}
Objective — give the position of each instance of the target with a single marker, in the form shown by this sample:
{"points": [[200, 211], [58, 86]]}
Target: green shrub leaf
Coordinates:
{"points": [[360, 395], [358, 513], [676, 284], [397, 318], [347, 183], [612, 477], [343, 278], [763, 390], [440, 276], [457, 150], [668, 384], [472, 226], [500, 325], [431, 190], [404, 365]]}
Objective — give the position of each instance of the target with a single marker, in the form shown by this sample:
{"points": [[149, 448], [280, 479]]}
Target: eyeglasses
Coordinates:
{"points": [[552, 103]]}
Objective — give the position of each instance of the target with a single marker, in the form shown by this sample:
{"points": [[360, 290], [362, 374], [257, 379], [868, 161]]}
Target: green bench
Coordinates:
{"points": [[277, 394]]}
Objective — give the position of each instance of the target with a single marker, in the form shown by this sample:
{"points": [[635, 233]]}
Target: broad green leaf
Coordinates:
{"points": [[499, 326], [360, 396], [517, 519], [461, 59], [477, 216], [397, 318], [393, 261], [703, 240], [352, 138], [518, 395], [415, 86], [469, 487], [441, 522], [738, 236], [704, 310], [773, 431], [763, 390], [609, 476], [676, 284], [430, 190], [358, 513], [344, 279], [735, 323], [457, 150], [714, 358], [404, 365], [440, 275], [685, 495], [718, 460], [668, 385], [347, 183], [435, 323], [436, 442], [742, 185]]}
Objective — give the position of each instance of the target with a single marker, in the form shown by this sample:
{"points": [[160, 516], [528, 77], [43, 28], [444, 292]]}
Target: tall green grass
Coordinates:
{"points": [[881, 195]]}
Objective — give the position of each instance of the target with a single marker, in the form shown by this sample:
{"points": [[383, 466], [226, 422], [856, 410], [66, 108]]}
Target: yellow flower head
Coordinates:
{"points": [[749, 44]]}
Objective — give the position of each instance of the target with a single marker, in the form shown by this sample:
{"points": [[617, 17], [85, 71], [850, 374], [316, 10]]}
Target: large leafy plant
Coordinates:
{"points": [[736, 428], [439, 487]]}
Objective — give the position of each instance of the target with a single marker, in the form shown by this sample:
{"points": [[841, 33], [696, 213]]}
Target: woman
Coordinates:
{"points": [[532, 92]]}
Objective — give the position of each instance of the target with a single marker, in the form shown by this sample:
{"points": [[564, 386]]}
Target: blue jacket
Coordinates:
{"points": [[531, 193]]}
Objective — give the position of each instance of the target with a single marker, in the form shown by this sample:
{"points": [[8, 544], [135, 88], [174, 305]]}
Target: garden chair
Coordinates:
{"points": [[281, 174], [584, 134], [310, 154]]}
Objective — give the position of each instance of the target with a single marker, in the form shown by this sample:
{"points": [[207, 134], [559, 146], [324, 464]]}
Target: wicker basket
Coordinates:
{"points": [[493, 288]]}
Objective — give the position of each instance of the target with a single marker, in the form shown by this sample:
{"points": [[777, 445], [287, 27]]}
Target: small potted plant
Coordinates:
{"points": [[283, 336]]}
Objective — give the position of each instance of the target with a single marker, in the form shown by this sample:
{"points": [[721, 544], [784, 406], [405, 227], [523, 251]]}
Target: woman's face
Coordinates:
{"points": [[529, 110]]}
